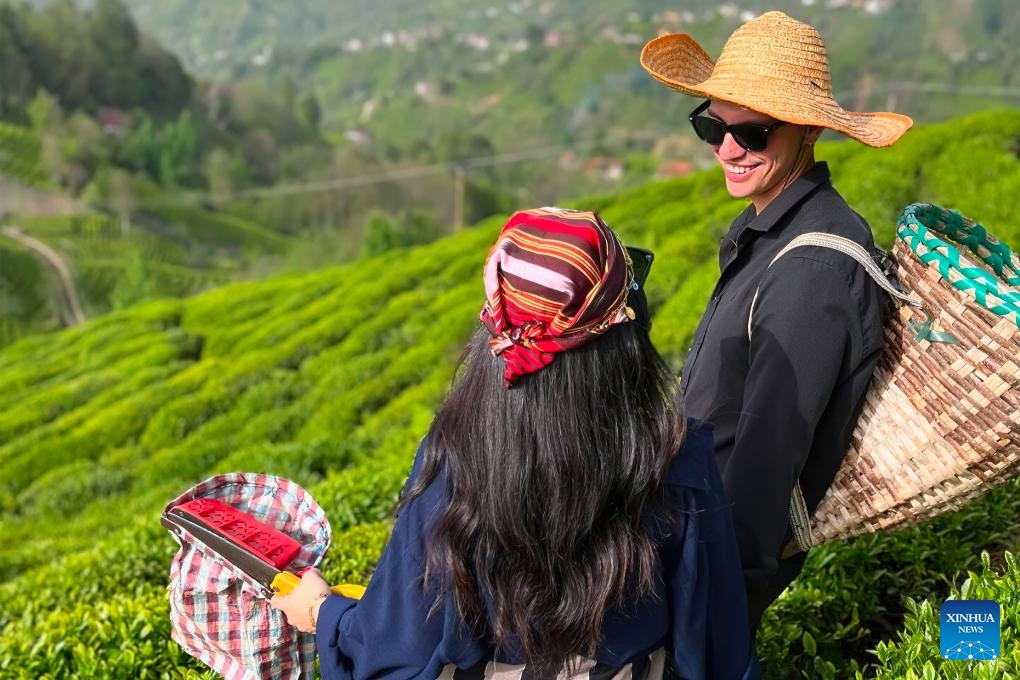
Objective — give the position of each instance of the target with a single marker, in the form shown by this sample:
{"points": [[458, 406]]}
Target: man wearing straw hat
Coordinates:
{"points": [[785, 387]]}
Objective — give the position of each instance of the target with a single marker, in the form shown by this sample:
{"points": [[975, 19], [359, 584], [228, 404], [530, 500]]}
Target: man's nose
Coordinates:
{"points": [[729, 149]]}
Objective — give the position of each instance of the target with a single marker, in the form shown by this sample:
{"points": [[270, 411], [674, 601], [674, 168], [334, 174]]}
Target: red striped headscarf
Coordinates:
{"points": [[555, 279]]}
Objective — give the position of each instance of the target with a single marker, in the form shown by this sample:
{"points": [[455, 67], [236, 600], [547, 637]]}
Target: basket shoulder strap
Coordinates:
{"points": [[854, 250], [848, 247]]}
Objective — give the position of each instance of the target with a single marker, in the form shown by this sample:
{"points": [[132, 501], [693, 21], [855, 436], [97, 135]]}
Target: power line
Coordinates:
{"points": [[539, 153], [397, 174]]}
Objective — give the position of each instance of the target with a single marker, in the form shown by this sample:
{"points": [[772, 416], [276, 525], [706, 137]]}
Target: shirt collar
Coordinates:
{"points": [[789, 197]]}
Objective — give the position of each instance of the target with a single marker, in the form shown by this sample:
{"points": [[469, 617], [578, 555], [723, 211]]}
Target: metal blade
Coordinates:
{"points": [[249, 563]]}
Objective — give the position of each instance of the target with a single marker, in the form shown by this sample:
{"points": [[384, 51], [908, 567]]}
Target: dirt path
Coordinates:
{"points": [[66, 297], [20, 199]]}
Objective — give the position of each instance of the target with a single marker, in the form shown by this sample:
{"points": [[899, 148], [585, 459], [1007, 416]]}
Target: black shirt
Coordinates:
{"points": [[784, 404]]}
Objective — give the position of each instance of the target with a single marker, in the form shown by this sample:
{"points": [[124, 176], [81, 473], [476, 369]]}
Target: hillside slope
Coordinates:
{"points": [[330, 378], [570, 66]]}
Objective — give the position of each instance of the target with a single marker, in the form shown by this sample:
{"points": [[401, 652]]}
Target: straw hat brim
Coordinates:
{"points": [[677, 61]]}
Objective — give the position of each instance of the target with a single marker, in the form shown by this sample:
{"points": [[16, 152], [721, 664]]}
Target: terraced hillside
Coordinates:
{"points": [[170, 249], [19, 155], [330, 378]]}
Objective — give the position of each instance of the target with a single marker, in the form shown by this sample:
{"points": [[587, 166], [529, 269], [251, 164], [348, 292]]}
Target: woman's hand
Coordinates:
{"points": [[301, 605]]}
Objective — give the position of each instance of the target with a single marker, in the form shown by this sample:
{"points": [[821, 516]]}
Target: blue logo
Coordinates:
{"points": [[969, 630]]}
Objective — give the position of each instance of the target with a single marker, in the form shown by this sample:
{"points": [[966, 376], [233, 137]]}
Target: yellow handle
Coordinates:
{"points": [[285, 581]]}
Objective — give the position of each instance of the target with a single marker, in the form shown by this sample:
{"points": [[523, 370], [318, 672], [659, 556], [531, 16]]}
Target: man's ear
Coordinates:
{"points": [[813, 133]]}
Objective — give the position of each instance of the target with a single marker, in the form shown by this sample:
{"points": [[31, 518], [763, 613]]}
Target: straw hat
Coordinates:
{"points": [[775, 65]]}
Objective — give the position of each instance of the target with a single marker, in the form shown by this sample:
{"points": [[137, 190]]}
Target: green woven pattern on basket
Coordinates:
{"points": [[993, 252], [925, 228]]}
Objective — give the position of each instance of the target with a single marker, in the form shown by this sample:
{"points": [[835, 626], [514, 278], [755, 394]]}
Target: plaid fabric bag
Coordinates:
{"points": [[221, 616]]}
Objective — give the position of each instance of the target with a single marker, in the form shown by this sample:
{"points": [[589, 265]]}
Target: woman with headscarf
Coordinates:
{"points": [[562, 518], [784, 386]]}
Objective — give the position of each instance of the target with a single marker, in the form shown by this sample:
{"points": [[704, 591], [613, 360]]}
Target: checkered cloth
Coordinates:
{"points": [[221, 616]]}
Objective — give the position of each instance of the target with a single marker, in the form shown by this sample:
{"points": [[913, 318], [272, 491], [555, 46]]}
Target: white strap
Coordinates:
{"points": [[843, 245]]}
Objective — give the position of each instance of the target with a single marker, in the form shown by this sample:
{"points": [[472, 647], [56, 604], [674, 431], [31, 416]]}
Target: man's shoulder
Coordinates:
{"points": [[826, 211]]}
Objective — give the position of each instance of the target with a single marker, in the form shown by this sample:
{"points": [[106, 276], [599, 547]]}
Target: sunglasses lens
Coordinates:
{"points": [[747, 135], [751, 137], [640, 271], [641, 262], [708, 129]]}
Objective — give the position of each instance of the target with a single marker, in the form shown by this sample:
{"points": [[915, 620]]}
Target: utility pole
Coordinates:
{"points": [[459, 173]]}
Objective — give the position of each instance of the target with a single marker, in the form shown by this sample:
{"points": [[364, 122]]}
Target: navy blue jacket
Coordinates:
{"points": [[699, 609]]}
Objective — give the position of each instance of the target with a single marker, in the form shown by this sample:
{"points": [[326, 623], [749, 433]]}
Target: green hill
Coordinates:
{"points": [[169, 251], [299, 151], [19, 154], [23, 304], [330, 378], [104, 141], [554, 72]]}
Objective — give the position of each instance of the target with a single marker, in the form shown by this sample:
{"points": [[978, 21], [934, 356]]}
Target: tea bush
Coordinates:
{"points": [[916, 654], [331, 378], [20, 154]]}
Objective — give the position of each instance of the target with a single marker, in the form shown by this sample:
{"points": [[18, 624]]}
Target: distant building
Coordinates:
{"points": [[357, 137], [729, 10], [114, 122], [424, 90], [263, 57], [676, 168], [569, 161], [477, 41], [608, 167]]}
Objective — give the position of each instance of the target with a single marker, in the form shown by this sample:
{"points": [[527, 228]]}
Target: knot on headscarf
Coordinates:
{"points": [[519, 335], [554, 280]]}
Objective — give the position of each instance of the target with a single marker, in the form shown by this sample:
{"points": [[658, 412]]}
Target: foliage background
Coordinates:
{"points": [[331, 377], [164, 147], [168, 148]]}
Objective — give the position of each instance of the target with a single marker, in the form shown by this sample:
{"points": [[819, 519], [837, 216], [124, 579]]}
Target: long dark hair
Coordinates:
{"points": [[549, 482]]}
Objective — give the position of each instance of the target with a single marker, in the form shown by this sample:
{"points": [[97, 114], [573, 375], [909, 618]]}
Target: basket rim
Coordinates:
{"points": [[929, 231]]}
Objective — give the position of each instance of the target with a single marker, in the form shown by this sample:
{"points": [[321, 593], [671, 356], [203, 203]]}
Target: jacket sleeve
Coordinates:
{"points": [[711, 638], [803, 332], [393, 631]]}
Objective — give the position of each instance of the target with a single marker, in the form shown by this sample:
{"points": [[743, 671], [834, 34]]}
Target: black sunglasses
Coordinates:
{"points": [[641, 263], [748, 135]]}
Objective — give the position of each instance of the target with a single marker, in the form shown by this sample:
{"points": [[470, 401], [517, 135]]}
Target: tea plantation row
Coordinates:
{"points": [[330, 378]]}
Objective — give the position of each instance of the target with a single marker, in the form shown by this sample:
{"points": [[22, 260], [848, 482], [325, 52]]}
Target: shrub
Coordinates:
{"points": [[332, 378], [63, 491], [916, 655], [354, 552], [852, 594]]}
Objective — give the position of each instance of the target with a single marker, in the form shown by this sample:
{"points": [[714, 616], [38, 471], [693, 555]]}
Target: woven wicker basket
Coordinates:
{"points": [[941, 421]]}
